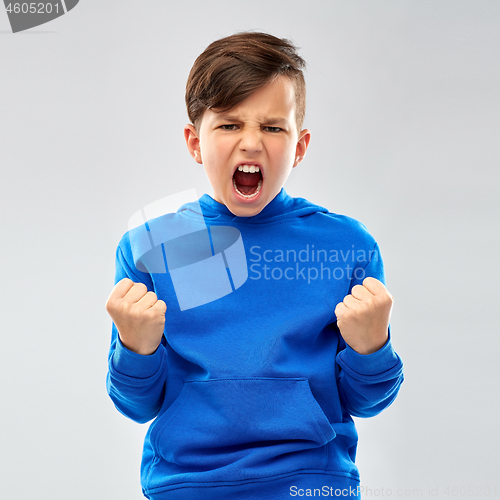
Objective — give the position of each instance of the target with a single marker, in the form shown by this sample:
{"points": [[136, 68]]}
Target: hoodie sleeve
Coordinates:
{"points": [[135, 382], [369, 383]]}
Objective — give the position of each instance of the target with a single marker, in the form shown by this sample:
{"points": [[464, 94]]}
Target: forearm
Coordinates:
{"points": [[136, 382], [369, 383]]}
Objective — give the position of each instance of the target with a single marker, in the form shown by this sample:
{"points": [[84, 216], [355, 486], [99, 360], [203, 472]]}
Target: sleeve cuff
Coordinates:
{"points": [[134, 365], [375, 363]]}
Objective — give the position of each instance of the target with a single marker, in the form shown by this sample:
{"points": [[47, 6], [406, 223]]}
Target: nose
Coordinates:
{"points": [[251, 140]]}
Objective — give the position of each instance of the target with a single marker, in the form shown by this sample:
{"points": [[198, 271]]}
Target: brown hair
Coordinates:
{"points": [[232, 68]]}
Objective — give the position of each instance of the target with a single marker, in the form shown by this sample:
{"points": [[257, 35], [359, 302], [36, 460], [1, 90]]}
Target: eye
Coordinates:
{"points": [[227, 127], [274, 130]]}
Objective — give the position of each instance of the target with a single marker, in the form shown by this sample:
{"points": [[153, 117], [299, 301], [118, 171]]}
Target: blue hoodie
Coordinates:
{"points": [[252, 389]]}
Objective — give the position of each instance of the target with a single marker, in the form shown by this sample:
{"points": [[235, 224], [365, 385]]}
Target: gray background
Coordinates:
{"points": [[403, 105]]}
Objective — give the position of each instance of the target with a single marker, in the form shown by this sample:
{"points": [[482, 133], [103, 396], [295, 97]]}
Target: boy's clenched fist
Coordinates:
{"points": [[363, 316], [138, 315]]}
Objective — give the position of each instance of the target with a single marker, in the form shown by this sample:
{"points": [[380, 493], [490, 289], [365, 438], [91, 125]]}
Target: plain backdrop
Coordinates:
{"points": [[403, 106]]}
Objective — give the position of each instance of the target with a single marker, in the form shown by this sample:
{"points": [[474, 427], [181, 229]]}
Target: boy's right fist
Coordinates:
{"points": [[138, 315]]}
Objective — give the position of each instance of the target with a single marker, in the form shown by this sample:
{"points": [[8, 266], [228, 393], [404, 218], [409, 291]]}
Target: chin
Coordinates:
{"points": [[246, 211]]}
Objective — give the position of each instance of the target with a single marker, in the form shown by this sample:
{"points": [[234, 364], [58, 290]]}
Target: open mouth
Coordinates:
{"points": [[247, 180]]}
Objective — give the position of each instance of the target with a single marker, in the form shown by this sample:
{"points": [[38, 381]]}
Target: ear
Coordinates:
{"points": [[302, 145], [193, 142]]}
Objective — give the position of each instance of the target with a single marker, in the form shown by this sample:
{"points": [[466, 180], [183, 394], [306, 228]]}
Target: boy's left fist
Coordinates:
{"points": [[363, 316]]}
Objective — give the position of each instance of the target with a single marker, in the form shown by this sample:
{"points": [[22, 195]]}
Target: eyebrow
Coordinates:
{"points": [[268, 121]]}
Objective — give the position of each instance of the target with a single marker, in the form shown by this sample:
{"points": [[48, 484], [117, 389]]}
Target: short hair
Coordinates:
{"points": [[232, 68]]}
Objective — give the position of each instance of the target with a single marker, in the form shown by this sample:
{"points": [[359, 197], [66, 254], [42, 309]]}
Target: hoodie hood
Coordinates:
{"points": [[282, 206]]}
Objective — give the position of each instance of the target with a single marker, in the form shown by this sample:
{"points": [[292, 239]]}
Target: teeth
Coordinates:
{"points": [[249, 168], [259, 185]]}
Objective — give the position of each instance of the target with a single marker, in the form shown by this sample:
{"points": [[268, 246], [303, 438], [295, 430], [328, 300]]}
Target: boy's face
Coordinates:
{"points": [[261, 131]]}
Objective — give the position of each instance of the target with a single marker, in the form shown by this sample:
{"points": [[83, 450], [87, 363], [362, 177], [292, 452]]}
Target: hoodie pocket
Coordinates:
{"points": [[240, 424]]}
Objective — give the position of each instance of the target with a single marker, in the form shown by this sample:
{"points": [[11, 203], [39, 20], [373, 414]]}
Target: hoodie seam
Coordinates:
{"points": [[272, 477], [215, 222], [250, 224]]}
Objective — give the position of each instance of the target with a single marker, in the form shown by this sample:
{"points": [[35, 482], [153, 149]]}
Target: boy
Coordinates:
{"points": [[253, 392]]}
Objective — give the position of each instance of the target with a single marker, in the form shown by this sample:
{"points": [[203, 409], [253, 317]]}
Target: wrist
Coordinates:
{"points": [[132, 364], [143, 349], [370, 346]]}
